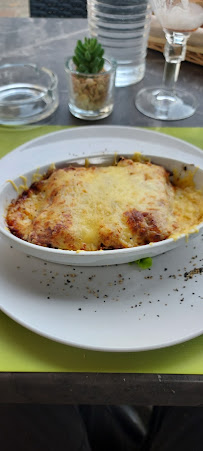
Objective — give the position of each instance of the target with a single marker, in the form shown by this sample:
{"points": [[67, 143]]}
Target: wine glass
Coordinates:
{"points": [[179, 18]]}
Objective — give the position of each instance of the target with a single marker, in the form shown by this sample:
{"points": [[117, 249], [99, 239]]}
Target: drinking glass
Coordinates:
{"points": [[178, 18]]}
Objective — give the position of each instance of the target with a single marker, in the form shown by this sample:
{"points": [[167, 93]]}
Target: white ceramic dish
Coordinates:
{"points": [[117, 308], [95, 258]]}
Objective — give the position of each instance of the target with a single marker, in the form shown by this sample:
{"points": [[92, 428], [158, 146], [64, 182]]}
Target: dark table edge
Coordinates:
{"points": [[101, 388]]}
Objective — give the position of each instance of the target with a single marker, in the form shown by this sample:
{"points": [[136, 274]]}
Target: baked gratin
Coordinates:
{"points": [[90, 208]]}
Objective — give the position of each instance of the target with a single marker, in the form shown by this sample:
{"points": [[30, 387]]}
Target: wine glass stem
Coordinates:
{"points": [[174, 52], [170, 76]]}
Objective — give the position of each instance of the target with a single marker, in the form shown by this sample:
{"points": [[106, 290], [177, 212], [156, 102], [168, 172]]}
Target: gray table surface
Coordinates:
{"points": [[48, 42]]}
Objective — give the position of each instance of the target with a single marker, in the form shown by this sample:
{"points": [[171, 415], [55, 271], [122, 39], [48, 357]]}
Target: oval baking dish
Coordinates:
{"points": [[97, 257]]}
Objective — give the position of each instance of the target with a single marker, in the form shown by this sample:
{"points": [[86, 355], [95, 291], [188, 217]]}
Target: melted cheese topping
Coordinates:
{"points": [[92, 208]]}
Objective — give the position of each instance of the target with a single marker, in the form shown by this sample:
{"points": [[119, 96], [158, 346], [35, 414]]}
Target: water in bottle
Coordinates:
{"points": [[122, 27]]}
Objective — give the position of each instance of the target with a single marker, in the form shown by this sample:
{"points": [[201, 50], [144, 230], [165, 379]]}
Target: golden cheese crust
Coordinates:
{"points": [[92, 208]]}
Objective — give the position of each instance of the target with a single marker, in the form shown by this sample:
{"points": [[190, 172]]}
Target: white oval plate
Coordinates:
{"points": [[117, 308]]}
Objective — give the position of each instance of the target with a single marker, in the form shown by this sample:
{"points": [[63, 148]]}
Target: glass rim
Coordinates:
{"points": [[53, 82], [112, 68]]}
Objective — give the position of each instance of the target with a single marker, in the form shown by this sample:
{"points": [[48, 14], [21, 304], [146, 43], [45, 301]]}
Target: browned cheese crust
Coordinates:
{"points": [[122, 206]]}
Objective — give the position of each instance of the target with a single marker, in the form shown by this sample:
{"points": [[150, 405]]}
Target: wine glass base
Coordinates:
{"points": [[159, 103]]}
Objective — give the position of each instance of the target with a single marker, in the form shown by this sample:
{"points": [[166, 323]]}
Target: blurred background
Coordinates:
{"points": [[14, 8], [77, 8]]}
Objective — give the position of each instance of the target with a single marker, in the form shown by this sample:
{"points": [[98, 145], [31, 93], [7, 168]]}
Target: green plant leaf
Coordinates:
{"points": [[101, 64], [80, 54], [88, 56], [82, 68], [143, 263], [80, 45], [75, 60]]}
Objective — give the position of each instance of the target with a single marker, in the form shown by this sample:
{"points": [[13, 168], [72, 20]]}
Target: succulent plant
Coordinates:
{"points": [[88, 56]]}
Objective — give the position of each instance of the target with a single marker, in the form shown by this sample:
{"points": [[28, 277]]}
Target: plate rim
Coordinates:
{"points": [[73, 128], [98, 348]]}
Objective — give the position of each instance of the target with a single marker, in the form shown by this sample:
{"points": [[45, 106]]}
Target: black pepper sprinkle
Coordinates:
{"points": [[181, 300], [80, 309], [48, 297], [165, 269], [190, 274], [158, 316]]}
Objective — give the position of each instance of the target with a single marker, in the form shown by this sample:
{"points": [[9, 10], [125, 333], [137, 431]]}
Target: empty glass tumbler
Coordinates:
{"points": [[122, 27]]}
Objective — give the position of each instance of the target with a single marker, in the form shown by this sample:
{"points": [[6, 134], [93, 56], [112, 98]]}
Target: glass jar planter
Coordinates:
{"points": [[91, 96]]}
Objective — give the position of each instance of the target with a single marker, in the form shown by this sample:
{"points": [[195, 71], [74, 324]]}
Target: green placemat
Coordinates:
{"points": [[22, 350]]}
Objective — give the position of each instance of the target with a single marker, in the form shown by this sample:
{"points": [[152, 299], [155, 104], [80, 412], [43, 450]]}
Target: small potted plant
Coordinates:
{"points": [[91, 81]]}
